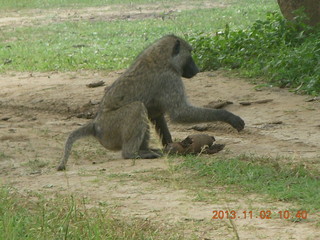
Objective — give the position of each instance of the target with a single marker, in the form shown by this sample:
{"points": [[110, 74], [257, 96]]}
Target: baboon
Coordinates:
{"points": [[150, 88]]}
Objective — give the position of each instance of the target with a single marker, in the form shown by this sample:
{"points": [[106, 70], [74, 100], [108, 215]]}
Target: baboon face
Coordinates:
{"points": [[190, 69], [182, 51]]}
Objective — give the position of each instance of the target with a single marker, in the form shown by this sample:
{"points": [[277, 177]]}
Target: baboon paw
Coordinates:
{"points": [[240, 126], [237, 123], [149, 154], [157, 151]]}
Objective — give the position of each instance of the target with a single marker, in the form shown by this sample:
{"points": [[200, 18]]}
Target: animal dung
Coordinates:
{"points": [[194, 144]]}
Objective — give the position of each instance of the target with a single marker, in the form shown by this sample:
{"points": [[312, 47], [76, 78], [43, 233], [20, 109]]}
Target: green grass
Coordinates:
{"points": [[243, 174], [29, 4], [35, 164], [80, 45], [110, 45], [3, 156], [30, 216], [239, 36]]}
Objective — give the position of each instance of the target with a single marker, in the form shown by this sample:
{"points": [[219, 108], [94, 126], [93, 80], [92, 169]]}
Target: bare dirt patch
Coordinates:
{"points": [[105, 13], [38, 110]]}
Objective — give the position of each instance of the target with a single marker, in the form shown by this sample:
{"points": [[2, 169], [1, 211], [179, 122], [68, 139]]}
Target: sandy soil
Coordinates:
{"points": [[39, 110], [104, 13]]}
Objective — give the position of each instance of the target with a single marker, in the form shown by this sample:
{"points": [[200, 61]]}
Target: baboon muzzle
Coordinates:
{"points": [[190, 69]]}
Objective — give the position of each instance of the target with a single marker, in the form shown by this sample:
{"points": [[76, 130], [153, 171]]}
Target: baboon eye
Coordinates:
{"points": [[176, 48]]}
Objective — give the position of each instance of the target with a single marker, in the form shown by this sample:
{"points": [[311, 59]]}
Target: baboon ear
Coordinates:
{"points": [[176, 48]]}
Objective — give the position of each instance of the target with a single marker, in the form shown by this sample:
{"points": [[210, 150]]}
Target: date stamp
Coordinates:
{"points": [[263, 214]]}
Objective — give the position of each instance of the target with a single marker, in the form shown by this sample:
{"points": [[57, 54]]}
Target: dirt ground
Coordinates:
{"points": [[105, 13], [39, 110]]}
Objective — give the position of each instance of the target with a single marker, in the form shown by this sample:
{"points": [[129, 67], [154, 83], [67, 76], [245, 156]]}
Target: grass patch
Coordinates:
{"points": [[253, 175], [27, 4], [237, 36], [33, 217], [4, 156], [36, 164], [111, 45]]}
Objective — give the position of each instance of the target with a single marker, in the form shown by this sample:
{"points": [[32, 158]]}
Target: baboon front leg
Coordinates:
{"points": [[162, 129], [136, 137], [145, 149], [192, 114], [138, 146]]}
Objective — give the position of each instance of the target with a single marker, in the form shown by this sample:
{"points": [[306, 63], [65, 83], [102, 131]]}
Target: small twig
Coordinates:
{"points": [[257, 102], [218, 104]]}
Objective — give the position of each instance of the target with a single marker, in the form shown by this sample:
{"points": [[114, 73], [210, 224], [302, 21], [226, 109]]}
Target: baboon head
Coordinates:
{"points": [[182, 58], [170, 52]]}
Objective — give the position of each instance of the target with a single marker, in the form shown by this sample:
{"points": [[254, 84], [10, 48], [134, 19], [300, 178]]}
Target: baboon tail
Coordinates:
{"points": [[84, 131]]}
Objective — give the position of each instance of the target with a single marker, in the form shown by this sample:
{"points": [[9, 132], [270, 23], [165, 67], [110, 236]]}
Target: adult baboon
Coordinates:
{"points": [[150, 88]]}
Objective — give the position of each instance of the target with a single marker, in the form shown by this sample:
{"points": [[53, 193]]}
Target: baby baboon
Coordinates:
{"points": [[150, 88]]}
